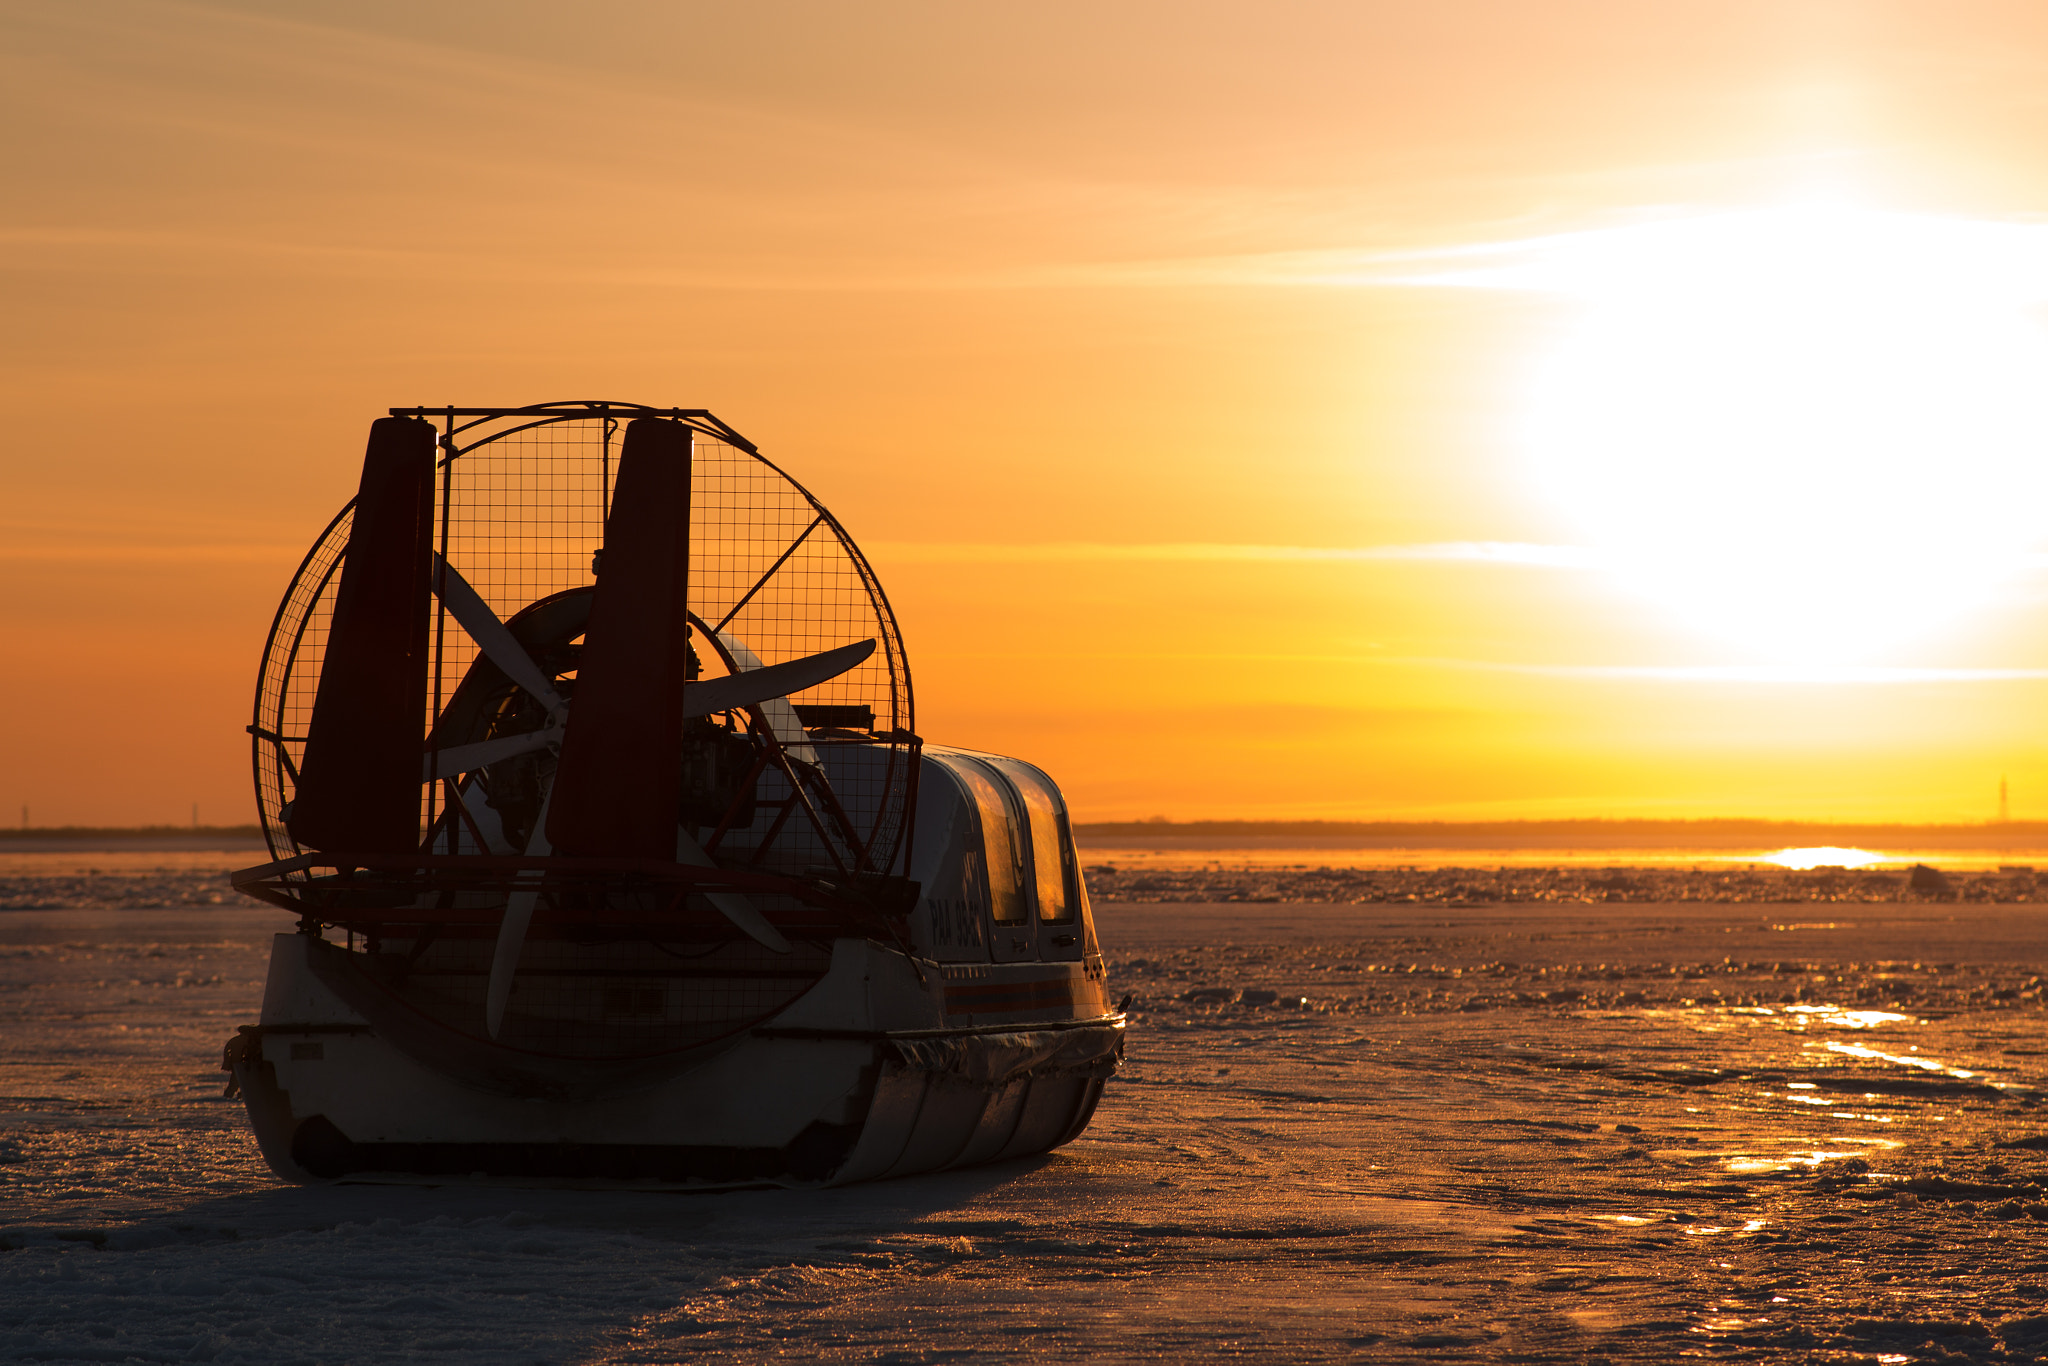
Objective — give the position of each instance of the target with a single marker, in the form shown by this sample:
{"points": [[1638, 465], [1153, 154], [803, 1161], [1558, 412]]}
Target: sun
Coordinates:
{"points": [[1818, 432]]}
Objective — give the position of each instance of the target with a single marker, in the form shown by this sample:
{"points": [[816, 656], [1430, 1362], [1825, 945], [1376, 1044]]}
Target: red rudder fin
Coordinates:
{"points": [[617, 790], [359, 783]]}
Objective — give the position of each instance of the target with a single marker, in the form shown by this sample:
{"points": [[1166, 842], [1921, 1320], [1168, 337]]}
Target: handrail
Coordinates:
{"points": [[407, 878]]}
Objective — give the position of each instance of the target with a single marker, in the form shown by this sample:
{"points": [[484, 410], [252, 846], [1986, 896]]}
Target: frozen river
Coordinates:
{"points": [[1517, 1133]]}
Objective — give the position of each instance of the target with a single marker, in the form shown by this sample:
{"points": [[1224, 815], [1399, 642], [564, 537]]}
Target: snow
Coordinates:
{"points": [[1530, 1132]]}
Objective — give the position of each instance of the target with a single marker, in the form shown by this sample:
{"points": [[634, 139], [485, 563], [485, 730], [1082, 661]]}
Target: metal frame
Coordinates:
{"points": [[702, 419], [846, 895], [259, 736]]}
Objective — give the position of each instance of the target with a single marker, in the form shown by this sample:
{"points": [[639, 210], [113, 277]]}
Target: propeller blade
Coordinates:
{"points": [[776, 680], [491, 636], [776, 711], [459, 759], [618, 789], [732, 905], [358, 785], [512, 929]]}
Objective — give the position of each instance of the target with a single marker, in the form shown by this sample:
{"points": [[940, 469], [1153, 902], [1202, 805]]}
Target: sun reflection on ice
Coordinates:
{"points": [[1924, 1064], [1843, 1018], [1803, 1017], [1827, 1102], [1822, 856], [1752, 1163]]}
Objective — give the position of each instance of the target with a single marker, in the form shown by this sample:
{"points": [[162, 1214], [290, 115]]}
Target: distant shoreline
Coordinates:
{"points": [[1732, 834], [1702, 835], [184, 834], [82, 839]]}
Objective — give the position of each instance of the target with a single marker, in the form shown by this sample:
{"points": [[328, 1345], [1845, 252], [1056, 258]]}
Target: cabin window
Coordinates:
{"points": [[998, 840], [1050, 858]]}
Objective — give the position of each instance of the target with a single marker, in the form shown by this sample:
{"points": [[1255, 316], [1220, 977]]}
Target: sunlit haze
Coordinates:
{"points": [[1464, 411], [1813, 431]]}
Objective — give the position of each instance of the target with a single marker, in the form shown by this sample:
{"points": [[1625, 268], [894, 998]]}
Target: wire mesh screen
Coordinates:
{"points": [[773, 577], [286, 681]]}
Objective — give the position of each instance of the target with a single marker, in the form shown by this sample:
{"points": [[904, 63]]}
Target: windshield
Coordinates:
{"points": [[1005, 867]]}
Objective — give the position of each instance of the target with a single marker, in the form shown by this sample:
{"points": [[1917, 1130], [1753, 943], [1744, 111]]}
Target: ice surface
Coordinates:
{"points": [[1241, 875], [83, 879], [1549, 1133]]}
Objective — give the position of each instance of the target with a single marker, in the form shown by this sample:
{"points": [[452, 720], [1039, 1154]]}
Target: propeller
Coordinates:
{"points": [[617, 785], [750, 687], [780, 716], [459, 759], [512, 929], [492, 636], [617, 726], [756, 686], [773, 680], [732, 905]]}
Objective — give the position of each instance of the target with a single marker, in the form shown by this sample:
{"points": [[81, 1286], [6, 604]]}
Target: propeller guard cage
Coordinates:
{"points": [[803, 803]]}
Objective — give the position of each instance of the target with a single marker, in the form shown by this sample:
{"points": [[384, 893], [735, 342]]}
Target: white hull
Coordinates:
{"points": [[885, 1067]]}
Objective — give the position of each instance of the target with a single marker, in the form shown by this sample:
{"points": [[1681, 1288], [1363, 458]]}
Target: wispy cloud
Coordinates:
{"points": [[1463, 265], [1466, 552], [2006, 258], [1770, 675], [1763, 675], [1797, 674]]}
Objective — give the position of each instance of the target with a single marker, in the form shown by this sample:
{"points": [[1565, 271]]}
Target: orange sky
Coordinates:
{"points": [[1040, 300]]}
